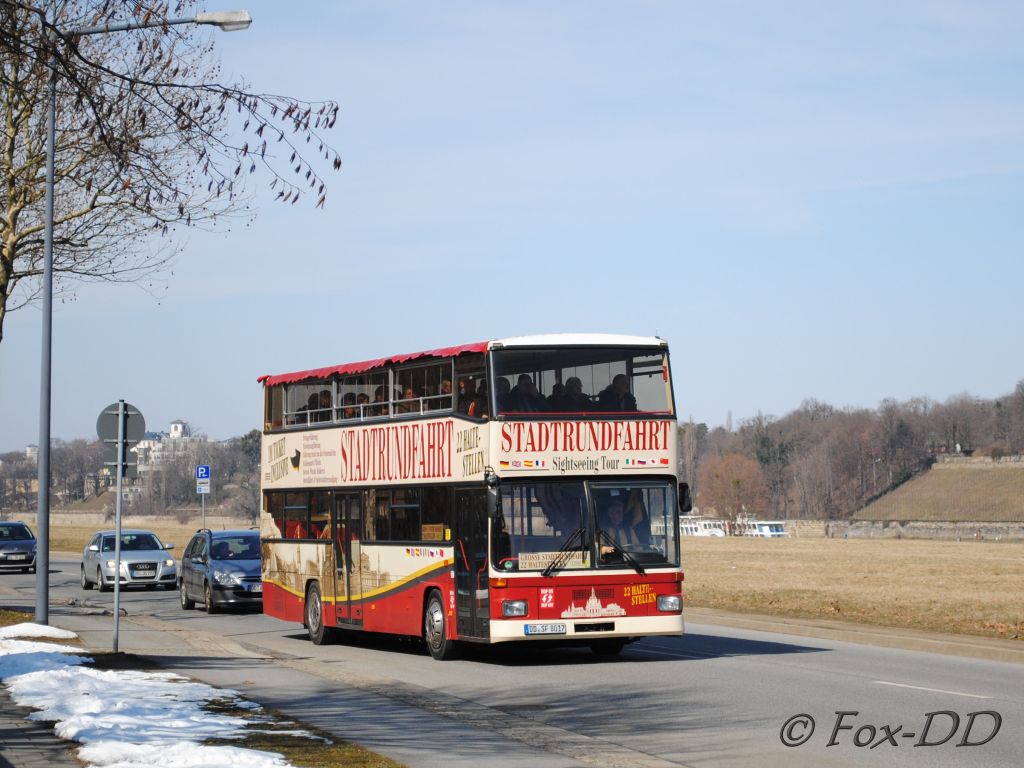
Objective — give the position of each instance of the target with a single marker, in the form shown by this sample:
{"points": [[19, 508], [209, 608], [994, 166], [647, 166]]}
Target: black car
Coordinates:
{"points": [[17, 547], [221, 568]]}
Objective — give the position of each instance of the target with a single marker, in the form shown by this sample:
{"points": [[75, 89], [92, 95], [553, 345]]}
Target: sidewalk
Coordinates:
{"points": [[29, 744]]}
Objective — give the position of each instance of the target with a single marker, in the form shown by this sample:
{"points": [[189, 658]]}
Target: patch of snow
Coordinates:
{"points": [[37, 631], [124, 718]]}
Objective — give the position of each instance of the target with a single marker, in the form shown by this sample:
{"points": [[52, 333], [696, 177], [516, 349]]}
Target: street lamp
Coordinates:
{"points": [[229, 21]]}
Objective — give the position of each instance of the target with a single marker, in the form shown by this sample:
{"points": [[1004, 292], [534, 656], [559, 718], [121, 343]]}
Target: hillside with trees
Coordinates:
{"points": [[823, 462]]}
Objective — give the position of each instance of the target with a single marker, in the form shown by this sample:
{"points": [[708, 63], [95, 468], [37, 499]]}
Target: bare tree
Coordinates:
{"points": [[766, 441], [148, 141], [71, 464], [733, 485], [690, 436]]}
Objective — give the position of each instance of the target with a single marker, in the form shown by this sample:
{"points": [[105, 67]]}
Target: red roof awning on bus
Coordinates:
{"points": [[368, 365]]}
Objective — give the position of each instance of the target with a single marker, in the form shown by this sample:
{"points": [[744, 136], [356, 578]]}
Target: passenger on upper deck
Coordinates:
{"points": [[362, 399], [409, 402], [503, 390], [525, 398], [380, 398], [573, 400], [616, 397], [467, 392], [349, 401], [324, 406], [556, 396]]}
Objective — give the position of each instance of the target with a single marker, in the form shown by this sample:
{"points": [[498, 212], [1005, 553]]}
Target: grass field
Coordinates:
{"points": [[73, 538], [988, 493], [965, 587]]}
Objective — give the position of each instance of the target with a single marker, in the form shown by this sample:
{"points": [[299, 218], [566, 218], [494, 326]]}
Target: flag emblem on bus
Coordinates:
{"points": [[523, 464]]}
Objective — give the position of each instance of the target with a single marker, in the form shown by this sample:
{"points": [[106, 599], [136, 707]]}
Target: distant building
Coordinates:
{"points": [[160, 447]]}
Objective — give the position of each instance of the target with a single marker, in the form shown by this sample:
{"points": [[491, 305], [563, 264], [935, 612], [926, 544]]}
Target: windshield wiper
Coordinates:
{"points": [[564, 551], [628, 558]]}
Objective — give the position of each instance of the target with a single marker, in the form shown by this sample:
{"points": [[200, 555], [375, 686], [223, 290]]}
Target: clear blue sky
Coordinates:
{"points": [[806, 199]]}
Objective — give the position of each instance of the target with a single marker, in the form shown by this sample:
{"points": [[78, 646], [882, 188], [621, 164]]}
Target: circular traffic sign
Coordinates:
{"points": [[134, 428]]}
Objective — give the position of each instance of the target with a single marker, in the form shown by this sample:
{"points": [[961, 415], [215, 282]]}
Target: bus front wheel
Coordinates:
{"points": [[319, 634], [611, 646], [435, 630]]}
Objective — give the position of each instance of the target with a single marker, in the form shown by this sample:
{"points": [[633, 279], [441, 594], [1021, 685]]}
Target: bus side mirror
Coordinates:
{"points": [[685, 501], [493, 503]]}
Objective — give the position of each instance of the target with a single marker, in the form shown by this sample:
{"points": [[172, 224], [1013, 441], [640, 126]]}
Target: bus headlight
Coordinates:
{"points": [[670, 603], [511, 608]]}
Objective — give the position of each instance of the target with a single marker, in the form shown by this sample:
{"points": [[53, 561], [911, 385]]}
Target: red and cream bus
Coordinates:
{"points": [[521, 489]]}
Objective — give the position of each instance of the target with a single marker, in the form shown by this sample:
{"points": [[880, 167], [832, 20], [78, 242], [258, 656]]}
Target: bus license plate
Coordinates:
{"points": [[545, 629]]}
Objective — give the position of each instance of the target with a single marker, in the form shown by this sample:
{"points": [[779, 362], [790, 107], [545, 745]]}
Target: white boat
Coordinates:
{"points": [[691, 525], [761, 529]]}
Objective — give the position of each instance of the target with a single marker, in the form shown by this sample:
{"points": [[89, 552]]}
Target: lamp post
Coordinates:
{"points": [[229, 21]]}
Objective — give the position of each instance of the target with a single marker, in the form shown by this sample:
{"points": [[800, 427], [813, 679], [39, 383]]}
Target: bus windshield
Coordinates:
{"points": [[584, 525], [578, 380]]}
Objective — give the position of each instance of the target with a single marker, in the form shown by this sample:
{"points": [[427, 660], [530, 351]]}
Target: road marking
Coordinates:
{"points": [[933, 690]]}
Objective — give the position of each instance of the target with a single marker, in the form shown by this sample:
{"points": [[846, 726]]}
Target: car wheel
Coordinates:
{"points": [[435, 630], [86, 584], [211, 607], [319, 634], [101, 585], [187, 604]]}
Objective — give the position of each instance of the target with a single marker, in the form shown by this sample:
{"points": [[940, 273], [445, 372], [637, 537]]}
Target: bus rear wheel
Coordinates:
{"points": [[435, 630], [319, 634]]}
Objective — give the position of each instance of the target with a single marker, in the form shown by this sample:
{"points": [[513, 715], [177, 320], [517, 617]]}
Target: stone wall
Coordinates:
{"points": [[868, 529]]}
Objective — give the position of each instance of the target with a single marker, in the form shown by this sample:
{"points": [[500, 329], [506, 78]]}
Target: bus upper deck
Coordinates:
{"points": [[530, 377]]}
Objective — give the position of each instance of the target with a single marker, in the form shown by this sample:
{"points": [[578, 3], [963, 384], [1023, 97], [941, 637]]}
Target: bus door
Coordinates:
{"points": [[348, 530], [472, 596]]}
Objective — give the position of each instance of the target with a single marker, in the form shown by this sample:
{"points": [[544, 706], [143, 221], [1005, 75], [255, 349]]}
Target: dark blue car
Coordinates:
{"points": [[17, 547], [221, 568]]}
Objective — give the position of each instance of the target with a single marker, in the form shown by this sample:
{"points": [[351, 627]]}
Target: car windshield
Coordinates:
{"points": [[15, 533], [133, 542], [235, 548]]}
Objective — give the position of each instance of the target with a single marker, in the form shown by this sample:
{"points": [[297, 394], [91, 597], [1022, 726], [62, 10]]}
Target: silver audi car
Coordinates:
{"points": [[144, 561]]}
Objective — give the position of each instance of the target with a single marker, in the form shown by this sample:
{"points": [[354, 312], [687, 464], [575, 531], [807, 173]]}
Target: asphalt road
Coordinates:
{"points": [[715, 697]]}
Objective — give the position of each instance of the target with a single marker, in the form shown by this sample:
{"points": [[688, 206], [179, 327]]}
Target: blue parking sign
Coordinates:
{"points": [[203, 472]]}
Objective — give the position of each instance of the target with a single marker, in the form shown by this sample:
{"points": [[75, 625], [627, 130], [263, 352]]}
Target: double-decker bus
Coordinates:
{"points": [[514, 490]]}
